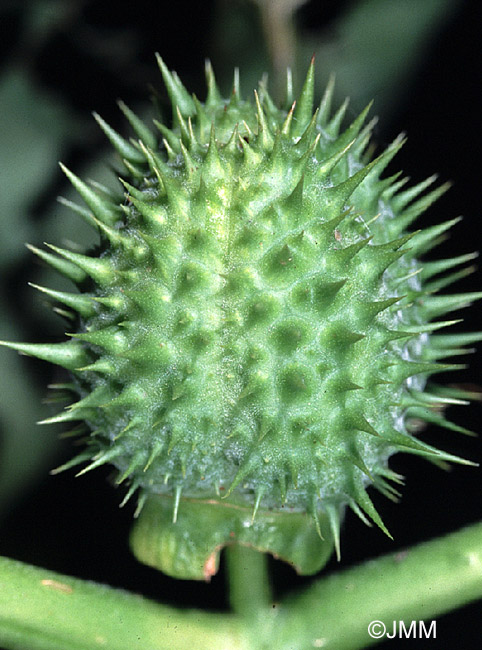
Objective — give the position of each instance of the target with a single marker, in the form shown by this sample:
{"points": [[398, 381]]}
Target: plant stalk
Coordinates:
{"points": [[280, 36], [248, 581], [43, 610], [420, 583]]}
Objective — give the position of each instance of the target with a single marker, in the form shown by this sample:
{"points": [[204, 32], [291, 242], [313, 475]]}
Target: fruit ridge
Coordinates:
{"points": [[256, 326]]}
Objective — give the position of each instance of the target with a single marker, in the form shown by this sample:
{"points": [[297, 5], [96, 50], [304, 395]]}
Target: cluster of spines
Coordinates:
{"points": [[191, 138]]}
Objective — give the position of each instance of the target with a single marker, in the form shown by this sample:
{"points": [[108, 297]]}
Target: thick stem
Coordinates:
{"points": [[248, 581], [420, 583], [42, 610]]}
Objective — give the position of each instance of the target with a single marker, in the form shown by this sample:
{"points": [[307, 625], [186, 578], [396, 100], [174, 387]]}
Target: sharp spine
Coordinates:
{"points": [[123, 148], [140, 129], [82, 303], [100, 270], [177, 92], [104, 210], [64, 267], [177, 499], [68, 355]]}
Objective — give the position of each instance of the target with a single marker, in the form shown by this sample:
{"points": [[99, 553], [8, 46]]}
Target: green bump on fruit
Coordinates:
{"points": [[254, 333]]}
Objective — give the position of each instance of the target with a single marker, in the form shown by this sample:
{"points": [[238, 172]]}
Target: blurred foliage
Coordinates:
{"points": [[34, 127], [373, 47], [378, 46]]}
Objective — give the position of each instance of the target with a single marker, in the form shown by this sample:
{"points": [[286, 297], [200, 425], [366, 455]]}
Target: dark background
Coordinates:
{"points": [[104, 50]]}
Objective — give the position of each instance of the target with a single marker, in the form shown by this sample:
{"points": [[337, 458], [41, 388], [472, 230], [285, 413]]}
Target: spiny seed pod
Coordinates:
{"points": [[255, 331]]}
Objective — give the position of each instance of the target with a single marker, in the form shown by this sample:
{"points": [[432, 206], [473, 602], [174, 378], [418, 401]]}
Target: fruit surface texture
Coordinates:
{"points": [[256, 331]]}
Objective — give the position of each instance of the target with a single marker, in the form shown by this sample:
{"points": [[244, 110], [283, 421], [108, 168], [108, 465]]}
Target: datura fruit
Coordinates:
{"points": [[254, 332]]}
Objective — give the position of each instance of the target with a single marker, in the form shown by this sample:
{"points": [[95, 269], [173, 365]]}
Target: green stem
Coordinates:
{"points": [[249, 588], [420, 583], [42, 610]]}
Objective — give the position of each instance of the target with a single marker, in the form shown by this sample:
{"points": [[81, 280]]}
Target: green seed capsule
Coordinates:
{"points": [[256, 334]]}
